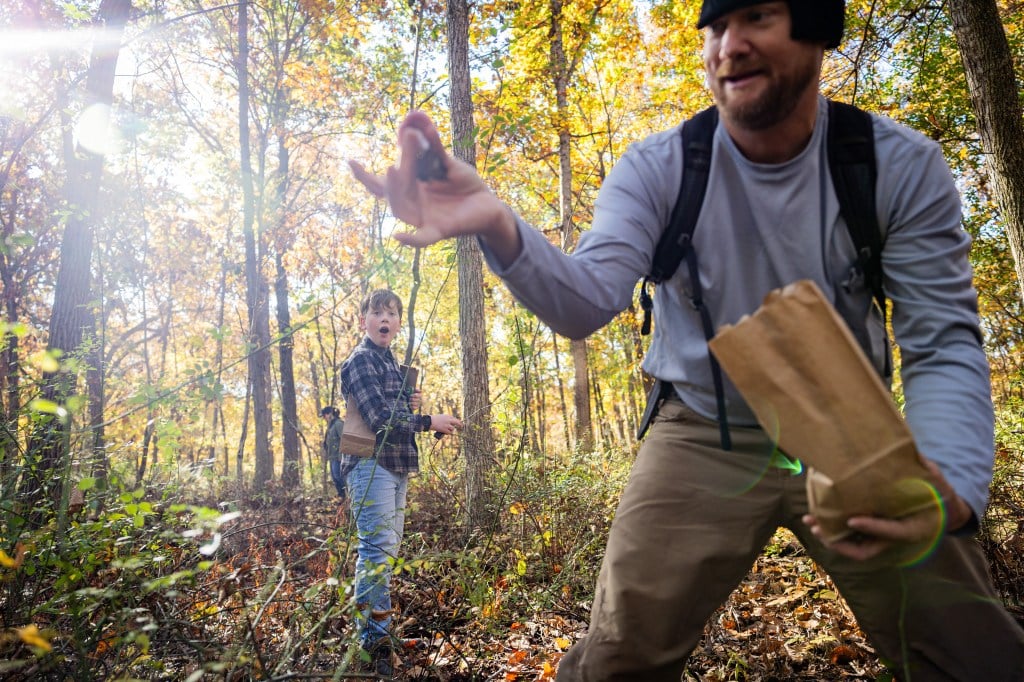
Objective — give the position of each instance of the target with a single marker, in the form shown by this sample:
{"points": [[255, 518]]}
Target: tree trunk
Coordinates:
{"points": [[244, 432], [992, 83], [632, 355], [527, 360], [602, 438], [540, 410], [328, 363], [581, 395], [147, 364], [10, 367], [561, 392], [256, 298], [477, 439], [94, 379], [291, 469], [560, 73], [414, 290], [314, 379], [69, 317], [218, 365]]}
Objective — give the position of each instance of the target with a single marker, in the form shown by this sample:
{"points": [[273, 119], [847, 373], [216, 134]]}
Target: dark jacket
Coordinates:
{"points": [[332, 438]]}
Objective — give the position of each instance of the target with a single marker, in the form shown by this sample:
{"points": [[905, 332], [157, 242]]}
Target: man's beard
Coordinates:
{"points": [[776, 103]]}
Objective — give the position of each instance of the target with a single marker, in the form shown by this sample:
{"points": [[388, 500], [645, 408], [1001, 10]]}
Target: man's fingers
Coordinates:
{"points": [[374, 183], [860, 550], [418, 122], [889, 529], [408, 238], [921, 526], [413, 144], [420, 237], [859, 546]]}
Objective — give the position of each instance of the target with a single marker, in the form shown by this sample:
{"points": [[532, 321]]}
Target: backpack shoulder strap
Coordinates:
{"points": [[697, 135], [676, 243], [851, 160]]}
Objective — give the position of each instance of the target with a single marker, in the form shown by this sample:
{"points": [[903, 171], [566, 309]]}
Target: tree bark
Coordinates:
{"points": [[291, 469], [992, 83], [561, 71], [147, 364], [95, 379], [240, 453], [70, 316], [256, 293], [218, 371], [527, 360], [10, 366], [477, 441], [563, 408]]}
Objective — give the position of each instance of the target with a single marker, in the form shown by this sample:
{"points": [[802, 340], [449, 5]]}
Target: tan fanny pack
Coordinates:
{"points": [[356, 437]]}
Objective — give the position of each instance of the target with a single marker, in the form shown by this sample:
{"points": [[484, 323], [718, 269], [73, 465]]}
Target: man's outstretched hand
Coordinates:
{"points": [[452, 201], [906, 536]]}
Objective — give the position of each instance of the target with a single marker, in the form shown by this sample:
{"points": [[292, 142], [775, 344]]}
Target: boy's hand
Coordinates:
{"points": [[445, 424], [874, 535], [455, 202], [416, 400]]}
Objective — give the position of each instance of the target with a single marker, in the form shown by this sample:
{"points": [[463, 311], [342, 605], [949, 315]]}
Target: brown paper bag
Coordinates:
{"points": [[814, 391], [356, 437]]}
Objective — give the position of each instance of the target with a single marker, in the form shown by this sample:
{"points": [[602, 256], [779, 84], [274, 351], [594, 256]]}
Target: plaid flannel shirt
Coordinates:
{"points": [[371, 376]]}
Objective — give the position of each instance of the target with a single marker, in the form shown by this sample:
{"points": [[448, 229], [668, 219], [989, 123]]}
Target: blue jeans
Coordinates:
{"points": [[339, 483], [378, 509]]}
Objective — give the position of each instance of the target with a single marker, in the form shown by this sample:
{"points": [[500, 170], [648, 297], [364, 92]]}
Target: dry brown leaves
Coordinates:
{"points": [[785, 621]]}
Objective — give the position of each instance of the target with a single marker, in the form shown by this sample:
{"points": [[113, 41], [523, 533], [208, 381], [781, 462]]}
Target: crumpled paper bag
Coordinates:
{"points": [[814, 391]]}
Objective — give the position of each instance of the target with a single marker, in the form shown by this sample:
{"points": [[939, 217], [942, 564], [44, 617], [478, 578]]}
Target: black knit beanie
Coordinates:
{"points": [[814, 20]]}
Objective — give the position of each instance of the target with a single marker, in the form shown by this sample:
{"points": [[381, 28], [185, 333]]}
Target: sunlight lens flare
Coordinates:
{"points": [[17, 42], [914, 488], [94, 131], [781, 460]]}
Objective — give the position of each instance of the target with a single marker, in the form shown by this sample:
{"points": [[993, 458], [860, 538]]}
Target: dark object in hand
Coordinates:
{"points": [[430, 166], [438, 435]]}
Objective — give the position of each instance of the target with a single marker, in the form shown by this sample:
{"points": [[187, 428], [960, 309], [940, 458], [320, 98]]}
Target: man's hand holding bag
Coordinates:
{"points": [[815, 393]]}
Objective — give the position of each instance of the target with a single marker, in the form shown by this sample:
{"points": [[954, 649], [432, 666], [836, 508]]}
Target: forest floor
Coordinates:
{"points": [[785, 621], [241, 587]]}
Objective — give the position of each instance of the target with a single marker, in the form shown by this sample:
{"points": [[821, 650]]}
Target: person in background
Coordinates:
{"points": [[332, 446], [378, 485], [696, 513]]}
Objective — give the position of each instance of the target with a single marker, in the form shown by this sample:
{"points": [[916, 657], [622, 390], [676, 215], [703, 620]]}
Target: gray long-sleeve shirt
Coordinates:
{"points": [[763, 226]]}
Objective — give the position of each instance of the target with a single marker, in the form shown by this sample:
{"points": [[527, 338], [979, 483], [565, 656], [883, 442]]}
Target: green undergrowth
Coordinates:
{"points": [[205, 579]]}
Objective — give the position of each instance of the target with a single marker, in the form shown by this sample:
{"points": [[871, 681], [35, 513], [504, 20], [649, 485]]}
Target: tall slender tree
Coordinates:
{"points": [[47, 455], [256, 289], [477, 442], [561, 69]]}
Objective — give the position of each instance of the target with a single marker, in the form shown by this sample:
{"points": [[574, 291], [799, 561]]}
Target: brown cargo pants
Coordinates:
{"points": [[691, 522]]}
